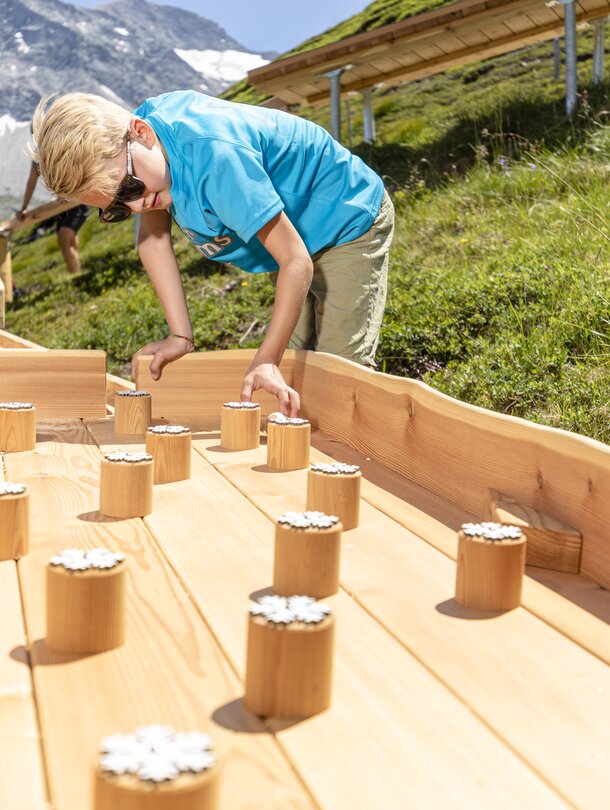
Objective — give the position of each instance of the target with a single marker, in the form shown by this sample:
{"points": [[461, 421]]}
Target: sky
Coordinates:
{"points": [[265, 25]]}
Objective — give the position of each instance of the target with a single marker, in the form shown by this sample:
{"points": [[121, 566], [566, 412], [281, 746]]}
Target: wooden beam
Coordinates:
{"points": [[198, 383], [550, 543], [36, 215], [61, 384]]}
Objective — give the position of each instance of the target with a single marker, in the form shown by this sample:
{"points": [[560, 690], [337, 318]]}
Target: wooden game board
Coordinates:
{"points": [[434, 706]]}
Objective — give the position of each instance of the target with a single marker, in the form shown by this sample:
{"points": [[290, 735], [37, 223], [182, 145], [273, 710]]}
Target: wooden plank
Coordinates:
{"points": [[505, 667], [550, 543], [419, 740], [198, 383], [458, 451], [36, 215], [170, 670], [22, 778], [10, 341], [61, 384]]}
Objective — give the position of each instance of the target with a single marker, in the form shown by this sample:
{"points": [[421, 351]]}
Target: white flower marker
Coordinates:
{"points": [[170, 446], [491, 562], [289, 657], [307, 554], [14, 521], [17, 427], [335, 488], [86, 601], [156, 767], [288, 440], [132, 412], [240, 425], [126, 484]]}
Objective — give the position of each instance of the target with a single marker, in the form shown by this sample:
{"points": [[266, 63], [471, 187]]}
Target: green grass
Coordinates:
{"points": [[498, 292]]}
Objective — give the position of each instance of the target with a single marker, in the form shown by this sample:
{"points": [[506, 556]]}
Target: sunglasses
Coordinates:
{"points": [[130, 188]]}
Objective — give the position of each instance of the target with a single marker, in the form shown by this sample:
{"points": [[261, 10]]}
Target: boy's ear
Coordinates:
{"points": [[142, 132]]}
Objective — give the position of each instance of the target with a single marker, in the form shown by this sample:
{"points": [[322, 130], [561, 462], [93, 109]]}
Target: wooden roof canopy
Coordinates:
{"points": [[419, 46]]}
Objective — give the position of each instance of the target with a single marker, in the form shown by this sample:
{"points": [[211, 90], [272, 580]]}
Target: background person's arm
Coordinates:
{"points": [[157, 254], [29, 190], [281, 239]]}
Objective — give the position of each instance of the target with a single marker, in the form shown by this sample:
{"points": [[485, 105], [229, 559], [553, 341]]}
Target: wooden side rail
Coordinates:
{"points": [[198, 383], [2, 304], [459, 451], [61, 384]]}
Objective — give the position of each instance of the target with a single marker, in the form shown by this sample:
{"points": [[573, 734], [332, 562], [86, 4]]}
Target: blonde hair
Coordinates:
{"points": [[74, 135]]}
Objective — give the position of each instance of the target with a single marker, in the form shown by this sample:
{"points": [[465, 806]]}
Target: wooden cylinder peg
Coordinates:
{"points": [[132, 412], [17, 427], [170, 446], [288, 440], [307, 554], [156, 768], [126, 484], [86, 601], [490, 566], [14, 521], [289, 659], [334, 488], [240, 425]]}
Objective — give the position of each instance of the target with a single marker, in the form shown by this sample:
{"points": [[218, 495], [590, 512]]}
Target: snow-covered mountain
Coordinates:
{"points": [[125, 50]]}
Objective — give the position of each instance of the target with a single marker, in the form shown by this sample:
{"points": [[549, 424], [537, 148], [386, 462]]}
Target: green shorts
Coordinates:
{"points": [[344, 307]]}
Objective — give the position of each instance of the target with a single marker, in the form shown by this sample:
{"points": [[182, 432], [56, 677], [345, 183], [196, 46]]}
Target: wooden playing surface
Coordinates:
{"points": [[434, 706]]}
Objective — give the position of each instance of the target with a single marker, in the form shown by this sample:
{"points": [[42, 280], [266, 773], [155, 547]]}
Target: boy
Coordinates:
{"points": [[254, 187]]}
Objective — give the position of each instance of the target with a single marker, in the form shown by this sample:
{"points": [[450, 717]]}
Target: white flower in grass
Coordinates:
{"points": [[156, 753]]}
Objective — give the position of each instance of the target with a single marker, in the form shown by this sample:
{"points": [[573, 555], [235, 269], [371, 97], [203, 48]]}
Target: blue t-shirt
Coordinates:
{"points": [[235, 166]]}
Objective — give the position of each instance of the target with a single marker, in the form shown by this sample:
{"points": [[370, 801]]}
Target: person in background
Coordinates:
{"points": [[68, 224]]}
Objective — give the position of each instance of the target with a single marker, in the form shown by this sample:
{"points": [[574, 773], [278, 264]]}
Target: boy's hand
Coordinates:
{"points": [[268, 377], [164, 352]]}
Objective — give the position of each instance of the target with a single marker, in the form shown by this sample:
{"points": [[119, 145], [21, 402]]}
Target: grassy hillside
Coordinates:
{"points": [[499, 289]]}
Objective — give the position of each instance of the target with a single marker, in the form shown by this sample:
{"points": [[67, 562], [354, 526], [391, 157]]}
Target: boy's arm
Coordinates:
{"points": [[157, 254], [281, 239]]}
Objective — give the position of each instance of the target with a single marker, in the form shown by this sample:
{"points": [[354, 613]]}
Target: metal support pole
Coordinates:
{"points": [[369, 115], [571, 76], [598, 52], [335, 102], [556, 58], [348, 121]]}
